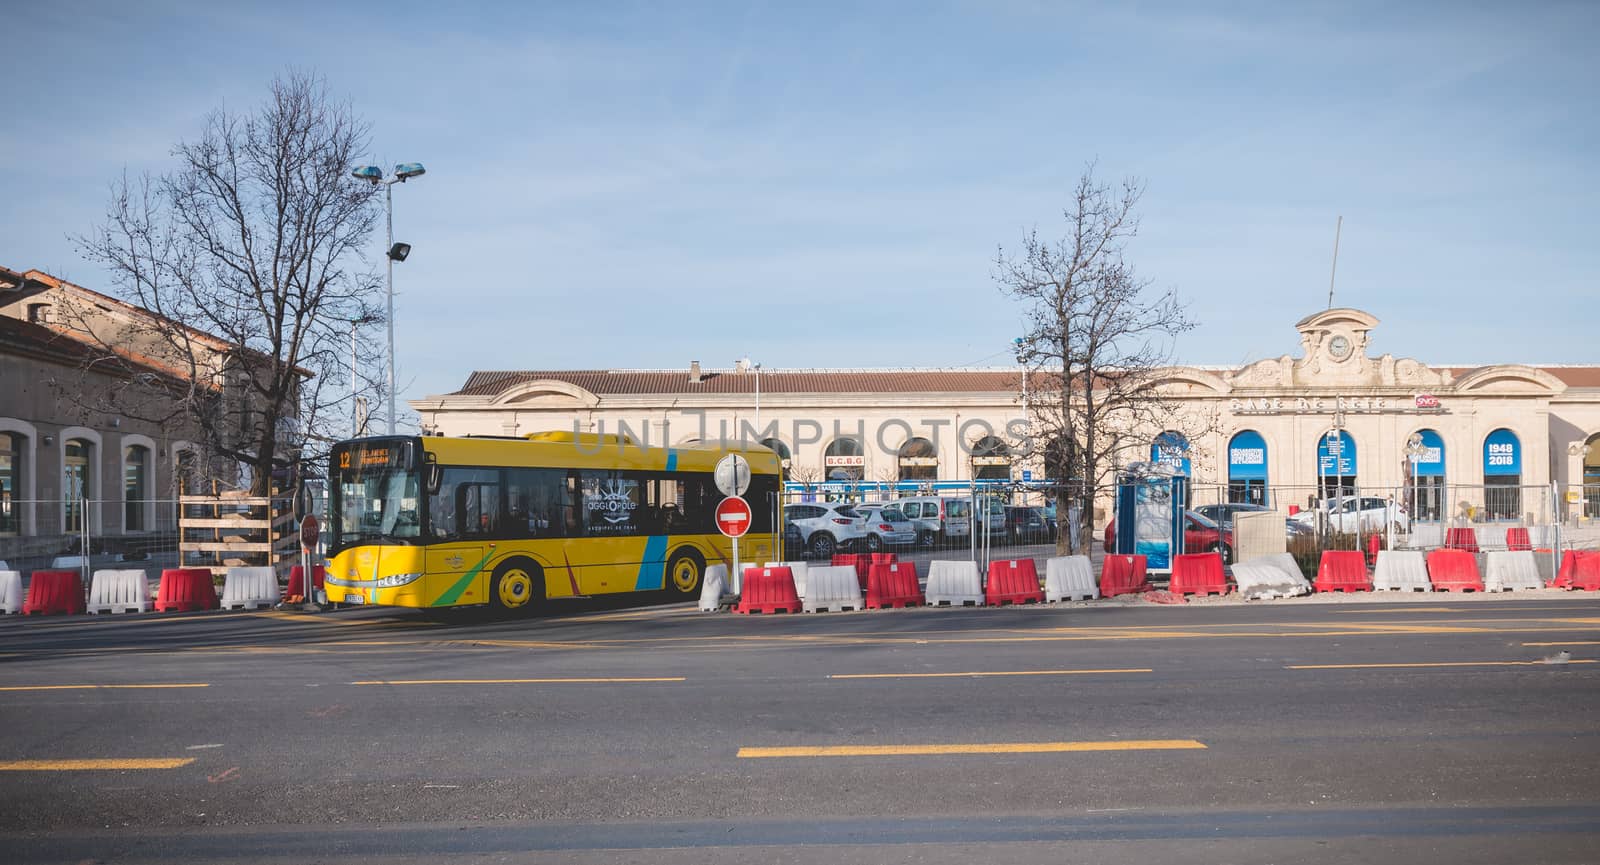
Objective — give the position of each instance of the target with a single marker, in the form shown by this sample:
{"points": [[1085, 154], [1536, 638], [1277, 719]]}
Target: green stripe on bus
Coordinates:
{"points": [[453, 594]]}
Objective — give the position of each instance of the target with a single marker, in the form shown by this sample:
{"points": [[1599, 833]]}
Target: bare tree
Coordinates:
{"points": [[248, 258], [1098, 340]]}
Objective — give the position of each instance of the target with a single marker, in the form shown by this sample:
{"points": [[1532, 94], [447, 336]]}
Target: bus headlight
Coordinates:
{"points": [[390, 582]]}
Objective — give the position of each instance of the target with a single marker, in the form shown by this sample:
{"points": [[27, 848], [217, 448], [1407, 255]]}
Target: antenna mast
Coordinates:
{"points": [[1336, 228]]}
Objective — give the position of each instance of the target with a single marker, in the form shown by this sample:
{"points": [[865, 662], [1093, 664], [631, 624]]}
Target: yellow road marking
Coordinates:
{"points": [[83, 765], [1568, 643], [1407, 609], [622, 681], [974, 675], [975, 748], [93, 687], [1438, 664]]}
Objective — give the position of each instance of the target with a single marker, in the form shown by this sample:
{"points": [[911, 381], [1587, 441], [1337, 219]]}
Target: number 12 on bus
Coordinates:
{"points": [[510, 523]]}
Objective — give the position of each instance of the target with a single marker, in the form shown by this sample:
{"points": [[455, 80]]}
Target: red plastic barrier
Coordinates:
{"points": [[1013, 581], [884, 558], [1517, 539], [893, 585], [297, 578], [184, 589], [1374, 546], [1454, 571], [1564, 574], [1123, 575], [1461, 539], [51, 592], [1586, 572], [862, 562], [1198, 574], [1342, 571], [768, 590]]}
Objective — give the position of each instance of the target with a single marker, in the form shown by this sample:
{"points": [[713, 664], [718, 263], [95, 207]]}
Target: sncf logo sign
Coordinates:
{"points": [[1427, 400]]}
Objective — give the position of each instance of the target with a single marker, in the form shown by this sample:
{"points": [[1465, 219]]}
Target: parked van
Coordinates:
{"points": [[937, 517]]}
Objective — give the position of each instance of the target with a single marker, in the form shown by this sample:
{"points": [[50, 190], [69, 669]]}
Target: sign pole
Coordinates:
{"points": [[738, 572]]}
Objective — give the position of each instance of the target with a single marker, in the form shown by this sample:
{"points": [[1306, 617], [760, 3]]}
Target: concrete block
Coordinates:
{"points": [[11, 596], [1069, 578], [955, 583], [119, 591], [1491, 537], [1512, 570], [69, 563], [834, 588], [712, 588], [250, 588], [1425, 536], [800, 571], [1401, 571], [1266, 577]]}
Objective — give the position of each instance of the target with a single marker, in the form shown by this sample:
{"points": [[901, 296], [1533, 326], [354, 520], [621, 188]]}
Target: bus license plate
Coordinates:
{"points": [[355, 599]]}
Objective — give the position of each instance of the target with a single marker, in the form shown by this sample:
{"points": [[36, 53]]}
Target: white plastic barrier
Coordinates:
{"points": [[954, 583], [122, 591], [712, 588], [1401, 571], [800, 576], [1274, 576], [1069, 578], [1511, 570], [834, 588], [11, 591], [250, 588], [69, 563]]}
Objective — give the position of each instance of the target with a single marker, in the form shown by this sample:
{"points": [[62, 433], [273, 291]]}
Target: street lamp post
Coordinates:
{"points": [[397, 251]]}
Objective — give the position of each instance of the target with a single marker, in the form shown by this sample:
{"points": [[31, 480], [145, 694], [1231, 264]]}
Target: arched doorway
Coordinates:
{"points": [[1591, 476], [1502, 475], [991, 459], [77, 482], [1247, 468], [844, 460], [11, 483], [918, 460], [1427, 478], [1336, 464], [135, 487]]}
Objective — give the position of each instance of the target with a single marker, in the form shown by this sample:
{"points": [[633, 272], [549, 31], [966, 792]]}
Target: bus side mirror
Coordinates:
{"points": [[431, 476]]}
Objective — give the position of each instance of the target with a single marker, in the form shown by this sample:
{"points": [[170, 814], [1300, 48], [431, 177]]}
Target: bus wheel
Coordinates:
{"points": [[684, 572], [518, 587]]}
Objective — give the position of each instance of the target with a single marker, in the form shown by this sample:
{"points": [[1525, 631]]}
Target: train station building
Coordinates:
{"points": [[1327, 416]]}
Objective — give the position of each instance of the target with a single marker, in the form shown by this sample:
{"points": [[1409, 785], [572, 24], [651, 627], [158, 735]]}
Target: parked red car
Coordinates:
{"points": [[1200, 535]]}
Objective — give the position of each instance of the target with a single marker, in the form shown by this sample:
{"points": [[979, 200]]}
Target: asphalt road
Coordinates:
{"points": [[1430, 730]]}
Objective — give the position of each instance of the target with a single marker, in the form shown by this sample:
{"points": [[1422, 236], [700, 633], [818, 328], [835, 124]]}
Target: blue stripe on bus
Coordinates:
{"points": [[653, 570], [672, 460]]}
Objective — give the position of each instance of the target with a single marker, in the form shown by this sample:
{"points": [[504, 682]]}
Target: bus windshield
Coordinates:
{"points": [[376, 496]]}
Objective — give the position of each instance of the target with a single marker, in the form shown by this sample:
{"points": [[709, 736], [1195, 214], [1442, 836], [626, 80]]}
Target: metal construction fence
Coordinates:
{"points": [[152, 534]]}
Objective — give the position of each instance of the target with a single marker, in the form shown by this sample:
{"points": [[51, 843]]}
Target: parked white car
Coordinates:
{"points": [[886, 526], [826, 527], [1350, 514]]}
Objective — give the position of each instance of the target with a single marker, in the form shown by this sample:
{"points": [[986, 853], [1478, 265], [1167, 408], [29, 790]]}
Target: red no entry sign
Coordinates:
{"points": [[733, 516]]}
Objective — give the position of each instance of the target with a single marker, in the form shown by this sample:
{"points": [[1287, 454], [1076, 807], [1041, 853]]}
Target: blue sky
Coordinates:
{"points": [[641, 185]]}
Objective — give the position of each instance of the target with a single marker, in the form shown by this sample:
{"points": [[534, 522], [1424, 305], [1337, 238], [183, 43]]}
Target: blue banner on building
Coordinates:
{"points": [[1336, 444], [1431, 463], [1502, 453], [1171, 448], [1247, 457]]}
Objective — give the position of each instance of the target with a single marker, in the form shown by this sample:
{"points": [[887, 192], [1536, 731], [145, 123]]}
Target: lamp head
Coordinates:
{"points": [[370, 173], [407, 170], [399, 251]]}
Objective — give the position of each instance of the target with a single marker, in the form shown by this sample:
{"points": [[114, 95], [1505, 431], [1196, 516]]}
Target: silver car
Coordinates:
{"points": [[886, 526]]}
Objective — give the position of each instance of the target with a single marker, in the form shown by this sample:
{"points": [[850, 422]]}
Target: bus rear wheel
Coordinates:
{"points": [[517, 588], [685, 570]]}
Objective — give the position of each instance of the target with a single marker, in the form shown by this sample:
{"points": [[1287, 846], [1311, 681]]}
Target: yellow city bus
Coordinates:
{"points": [[432, 521]]}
